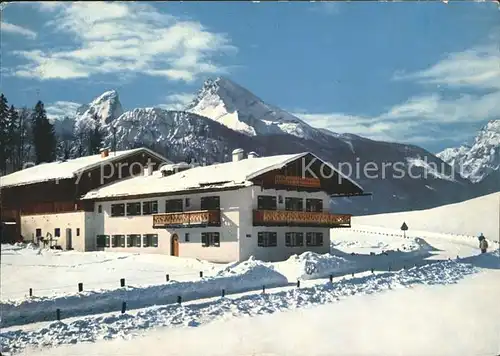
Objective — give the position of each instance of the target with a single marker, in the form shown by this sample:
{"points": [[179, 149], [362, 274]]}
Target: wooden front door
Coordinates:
{"points": [[174, 245], [69, 241]]}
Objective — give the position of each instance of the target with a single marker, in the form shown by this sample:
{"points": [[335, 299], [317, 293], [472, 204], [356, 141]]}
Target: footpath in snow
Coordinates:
{"points": [[90, 329]]}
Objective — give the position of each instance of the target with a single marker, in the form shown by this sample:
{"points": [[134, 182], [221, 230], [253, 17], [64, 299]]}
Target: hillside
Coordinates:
{"points": [[469, 217]]}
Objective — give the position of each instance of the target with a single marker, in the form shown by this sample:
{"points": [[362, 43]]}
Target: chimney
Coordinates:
{"points": [[252, 154], [238, 154], [104, 152], [148, 170]]}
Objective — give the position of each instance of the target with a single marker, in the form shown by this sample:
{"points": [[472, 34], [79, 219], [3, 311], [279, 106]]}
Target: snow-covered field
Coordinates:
{"points": [[467, 218], [363, 260]]}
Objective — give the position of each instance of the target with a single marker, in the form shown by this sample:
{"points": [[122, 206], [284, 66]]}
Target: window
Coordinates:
{"points": [[186, 237], [150, 207], [173, 206], [57, 232], [133, 209], [266, 202], [77, 231], [294, 239], [314, 239], [102, 241], [187, 202], [134, 240], [315, 205], [150, 240], [116, 241], [99, 209], [267, 239], [210, 239], [117, 209], [294, 204], [210, 203], [38, 232]]}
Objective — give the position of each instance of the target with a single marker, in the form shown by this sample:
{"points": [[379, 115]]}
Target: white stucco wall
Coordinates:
{"points": [[49, 222], [249, 233], [143, 224]]}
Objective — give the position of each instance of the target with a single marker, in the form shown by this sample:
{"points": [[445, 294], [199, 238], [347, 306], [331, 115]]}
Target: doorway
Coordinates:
{"points": [[69, 240], [174, 245]]}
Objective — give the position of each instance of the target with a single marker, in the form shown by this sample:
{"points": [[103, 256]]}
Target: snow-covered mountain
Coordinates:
{"points": [[107, 106], [225, 116], [477, 161], [235, 107]]}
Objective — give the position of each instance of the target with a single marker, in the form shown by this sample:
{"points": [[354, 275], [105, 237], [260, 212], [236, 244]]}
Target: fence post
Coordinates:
{"points": [[223, 293], [167, 277], [122, 282], [201, 274], [389, 268], [58, 314], [263, 289], [179, 300], [80, 287], [298, 284], [331, 278], [124, 307], [31, 292], [372, 270]]}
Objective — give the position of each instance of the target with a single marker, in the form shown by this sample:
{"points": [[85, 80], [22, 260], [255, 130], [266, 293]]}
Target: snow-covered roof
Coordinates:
{"points": [[219, 176], [66, 169]]}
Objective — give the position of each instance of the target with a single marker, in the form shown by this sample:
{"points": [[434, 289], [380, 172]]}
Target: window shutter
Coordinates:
{"points": [[107, 240], [300, 239], [287, 239], [122, 241], [260, 239], [308, 238], [274, 239], [138, 240], [320, 238], [204, 240]]}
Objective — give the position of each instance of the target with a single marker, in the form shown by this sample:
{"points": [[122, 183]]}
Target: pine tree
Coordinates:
{"points": [[25, 140], [44, 138], [13, 138], [4, 138], [95, 136], [66, 140]]}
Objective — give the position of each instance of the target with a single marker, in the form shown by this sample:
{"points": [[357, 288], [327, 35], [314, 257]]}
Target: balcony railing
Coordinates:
{"points": [[299, 218], [187, 219], [297, 181]]}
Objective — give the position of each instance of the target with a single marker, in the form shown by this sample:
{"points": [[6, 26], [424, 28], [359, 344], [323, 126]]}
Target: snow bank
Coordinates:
{"points": [[245, 276], [93, 328], [310, 265]]}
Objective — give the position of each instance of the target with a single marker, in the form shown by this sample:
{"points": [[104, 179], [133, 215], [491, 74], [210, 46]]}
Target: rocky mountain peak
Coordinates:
{"points": [[475, 162], [107, 106]]}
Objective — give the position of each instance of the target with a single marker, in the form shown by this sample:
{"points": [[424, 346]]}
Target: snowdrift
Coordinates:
{"points": [[243, 277], [111, 326]]}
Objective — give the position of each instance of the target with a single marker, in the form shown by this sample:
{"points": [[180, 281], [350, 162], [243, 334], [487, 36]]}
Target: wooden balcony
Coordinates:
{"points": [[300, 218], [297, 181], [185, 219]]}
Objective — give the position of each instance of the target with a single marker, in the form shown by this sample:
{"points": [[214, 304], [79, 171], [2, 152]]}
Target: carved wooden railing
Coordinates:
{"points": [[299, 218], [187, 219], [297, 181]]}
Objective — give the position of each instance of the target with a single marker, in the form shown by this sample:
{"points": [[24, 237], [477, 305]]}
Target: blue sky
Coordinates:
{"points": [[426, 73]]}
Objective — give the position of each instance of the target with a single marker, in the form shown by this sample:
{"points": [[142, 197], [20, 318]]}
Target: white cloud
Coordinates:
{"points": [[177, 101], [6, 27], [476, 72], [325, 7], [118, 38], [60, 109], [477, 68]]}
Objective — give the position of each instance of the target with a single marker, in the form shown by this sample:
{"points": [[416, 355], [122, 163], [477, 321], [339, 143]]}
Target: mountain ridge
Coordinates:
{"points": [[224, 116]]}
